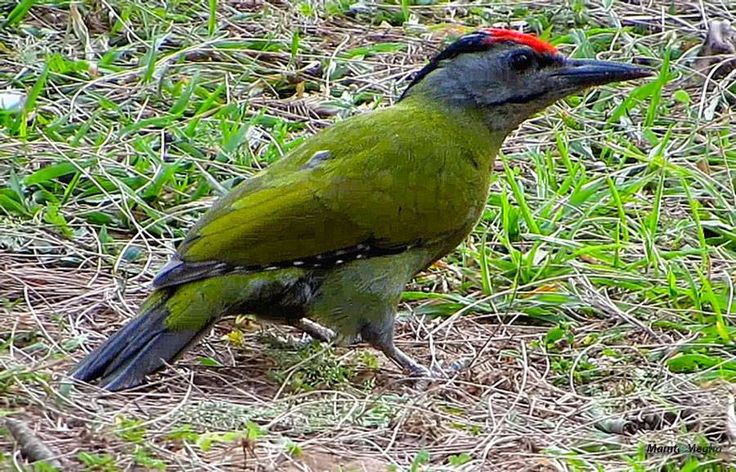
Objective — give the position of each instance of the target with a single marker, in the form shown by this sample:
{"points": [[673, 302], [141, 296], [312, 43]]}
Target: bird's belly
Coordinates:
{"points": [[354, 293]]}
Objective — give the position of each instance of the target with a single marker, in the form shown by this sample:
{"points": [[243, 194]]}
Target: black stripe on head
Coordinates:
{"points": [[474, 42]]}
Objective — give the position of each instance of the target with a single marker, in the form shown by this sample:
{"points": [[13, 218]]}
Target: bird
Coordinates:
{"points": [[326, 238]]}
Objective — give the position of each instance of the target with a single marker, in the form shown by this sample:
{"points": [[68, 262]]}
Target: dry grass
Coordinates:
{"points": [[593, 397]]}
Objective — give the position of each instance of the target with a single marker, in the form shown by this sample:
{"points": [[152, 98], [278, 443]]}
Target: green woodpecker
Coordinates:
{"points": [[330, 234]]}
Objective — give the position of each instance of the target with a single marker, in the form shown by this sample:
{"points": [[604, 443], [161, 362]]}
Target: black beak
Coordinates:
{"points": [[585, 73]]}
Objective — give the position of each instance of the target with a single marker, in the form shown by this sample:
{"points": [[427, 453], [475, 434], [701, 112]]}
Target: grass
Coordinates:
{"points": [[594, 297]]}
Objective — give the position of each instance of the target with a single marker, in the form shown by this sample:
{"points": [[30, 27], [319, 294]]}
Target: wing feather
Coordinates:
{"points": [[358, 184]]}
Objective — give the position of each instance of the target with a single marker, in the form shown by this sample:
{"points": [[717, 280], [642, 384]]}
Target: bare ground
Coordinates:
{"points": [[510, 410]]}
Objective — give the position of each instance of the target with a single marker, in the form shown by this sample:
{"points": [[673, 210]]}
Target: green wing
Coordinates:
{"points": [[359, 184], [271, 222]]}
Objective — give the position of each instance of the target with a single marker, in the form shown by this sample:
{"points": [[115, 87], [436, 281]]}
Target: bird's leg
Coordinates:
{"points": [[404, 360], [381, 336], [315, 330], [322, 333]]}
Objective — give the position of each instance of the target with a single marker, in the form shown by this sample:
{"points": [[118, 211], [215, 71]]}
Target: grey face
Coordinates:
{"points": [[513, 81]]}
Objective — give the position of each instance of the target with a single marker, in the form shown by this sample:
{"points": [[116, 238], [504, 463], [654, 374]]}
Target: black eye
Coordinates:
{"points": [[521, 60]]}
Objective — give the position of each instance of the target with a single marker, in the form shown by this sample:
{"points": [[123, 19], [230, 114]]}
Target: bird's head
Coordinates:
{"points": [[509, 75]]}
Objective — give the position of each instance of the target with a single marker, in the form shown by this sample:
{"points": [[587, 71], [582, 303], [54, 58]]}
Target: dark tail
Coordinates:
{"points": [[172, 318], [141, 347]]}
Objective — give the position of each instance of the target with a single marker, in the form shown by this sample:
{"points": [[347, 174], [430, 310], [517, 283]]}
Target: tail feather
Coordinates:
{"points": [[161, 349], [173, 318], [141, 347]]}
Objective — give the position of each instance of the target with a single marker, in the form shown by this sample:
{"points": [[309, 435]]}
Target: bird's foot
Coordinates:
{"points": [[455, 367], [423, 376], [312, 333], [291, 342]]}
